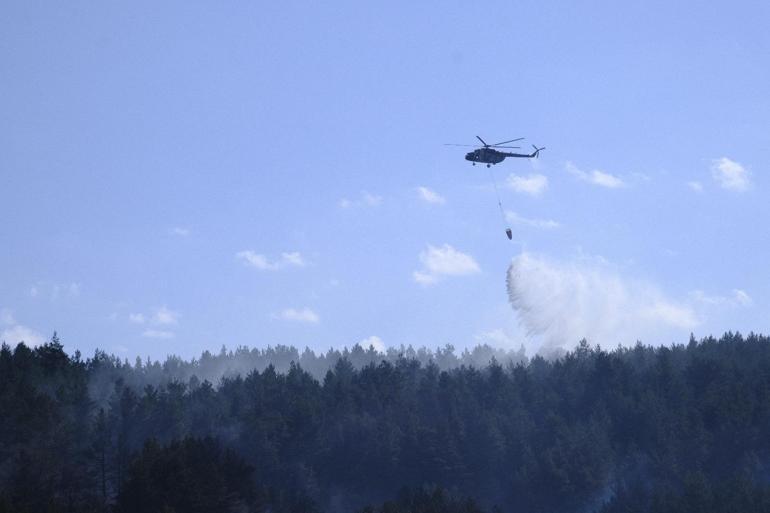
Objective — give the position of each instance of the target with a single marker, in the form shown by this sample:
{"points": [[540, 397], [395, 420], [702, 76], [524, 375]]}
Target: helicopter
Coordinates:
{"points": [[489, 155]]}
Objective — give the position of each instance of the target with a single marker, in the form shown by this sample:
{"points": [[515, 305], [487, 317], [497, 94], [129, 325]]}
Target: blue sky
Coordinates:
{"points": [[176, 176]]}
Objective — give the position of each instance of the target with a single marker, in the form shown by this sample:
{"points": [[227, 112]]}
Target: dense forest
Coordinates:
{"points": [[640, 429]]}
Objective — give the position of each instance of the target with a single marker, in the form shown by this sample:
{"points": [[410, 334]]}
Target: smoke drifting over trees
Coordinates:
{"points": [[679, 428], [210, 367]]}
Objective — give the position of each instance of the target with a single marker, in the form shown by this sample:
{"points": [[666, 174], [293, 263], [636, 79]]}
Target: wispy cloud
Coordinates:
{"points": [[695, 186], [742, 298], [304, 315], [430, 196], [164, 316], [65, 290], [159, 334], [736, 298], [365, 200], [158, 322], [261, 262], [730, 175], [516, 219], [136, 318], [534, 184], [439, 262], [180, 231], [56, 291], [595, 177]]}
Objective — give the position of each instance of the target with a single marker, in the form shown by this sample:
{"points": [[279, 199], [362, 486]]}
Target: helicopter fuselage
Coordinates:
{"points": [[486, 156], [490, 156]]}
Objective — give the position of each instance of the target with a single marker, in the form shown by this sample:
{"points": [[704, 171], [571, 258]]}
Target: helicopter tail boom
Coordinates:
{"points": [[534, 154]]}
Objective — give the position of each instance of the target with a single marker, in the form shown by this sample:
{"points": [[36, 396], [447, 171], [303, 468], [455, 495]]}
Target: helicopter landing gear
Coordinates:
{"points": [[489, 165], [474, 163]]}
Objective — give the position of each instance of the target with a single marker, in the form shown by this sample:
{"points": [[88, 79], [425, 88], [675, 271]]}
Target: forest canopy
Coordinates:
{"points": [[670, 428]]}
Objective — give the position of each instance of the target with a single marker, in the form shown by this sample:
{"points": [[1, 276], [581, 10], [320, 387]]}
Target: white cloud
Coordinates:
{"points": [[33, 291], [533, 184], [181, 231], [19, 333], [742, 298], [365, 200], [424, 278], [596, 177], [560, 303], [375, 342], [160, 334], [730, 175], [695, 186], [737, 297], [164, 316], [605, 179], [444, 261], [371, 200], [261, 262], [430, 196], [302, 315], [293, 258], [15, 333], [255, 260], [136, 318], [516, 219]]}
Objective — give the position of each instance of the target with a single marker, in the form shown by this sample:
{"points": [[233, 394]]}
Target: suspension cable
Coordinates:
{"points": [[499, 202]]}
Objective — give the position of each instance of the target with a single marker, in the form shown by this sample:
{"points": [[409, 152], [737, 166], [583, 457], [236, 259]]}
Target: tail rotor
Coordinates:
{"points": [[537, 151]]}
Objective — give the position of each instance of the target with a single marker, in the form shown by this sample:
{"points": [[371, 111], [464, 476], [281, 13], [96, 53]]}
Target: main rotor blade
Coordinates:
{"points": [[506, 142], [509, 147], [482, 140], [469, 145]]}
